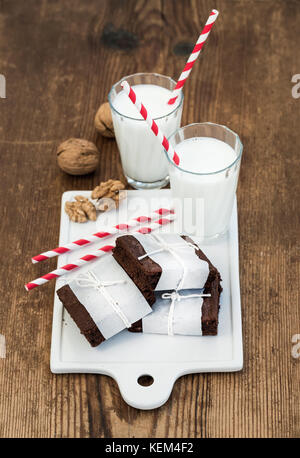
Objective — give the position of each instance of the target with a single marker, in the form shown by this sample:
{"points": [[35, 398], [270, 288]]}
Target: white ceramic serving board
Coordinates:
{"points": [[127, 355]]}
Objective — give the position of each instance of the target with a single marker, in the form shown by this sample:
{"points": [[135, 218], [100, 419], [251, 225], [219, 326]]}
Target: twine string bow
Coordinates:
{"points": [[175, 296], [90, 280], [171, 248]]}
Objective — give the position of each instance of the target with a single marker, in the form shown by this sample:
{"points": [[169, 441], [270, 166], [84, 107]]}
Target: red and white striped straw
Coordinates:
{"points": [[152, 124], [102, 234], [96, 254], [193, 57]]}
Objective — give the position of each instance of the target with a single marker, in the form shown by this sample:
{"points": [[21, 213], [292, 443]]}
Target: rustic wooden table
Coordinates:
{"points": [[60, 59]]}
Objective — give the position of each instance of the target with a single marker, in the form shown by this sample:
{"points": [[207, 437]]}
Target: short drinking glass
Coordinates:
{"points": [[144, 163], [206, 178]]}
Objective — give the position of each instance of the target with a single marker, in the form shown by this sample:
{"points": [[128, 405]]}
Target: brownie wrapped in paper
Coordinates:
{"points": [[176, 313], [103, 301], [163, 262], [185, 312]]}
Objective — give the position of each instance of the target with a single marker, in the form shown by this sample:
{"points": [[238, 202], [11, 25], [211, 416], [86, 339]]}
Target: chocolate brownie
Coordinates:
{"points": [[210, 309], [129, 249], [102, 300], [145, 273], [80, 315], [211, 305]]}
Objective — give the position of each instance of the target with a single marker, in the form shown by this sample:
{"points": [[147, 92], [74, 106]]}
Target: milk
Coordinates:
{"points": [[207, 189], [142, 156]]}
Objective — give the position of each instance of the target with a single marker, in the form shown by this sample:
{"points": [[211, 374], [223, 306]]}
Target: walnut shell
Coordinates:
{"points": [[77, 156], [103, 121]]}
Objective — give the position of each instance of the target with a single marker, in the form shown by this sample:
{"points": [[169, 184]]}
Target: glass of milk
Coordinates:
{"points": [[144, 163], [204, 184]]}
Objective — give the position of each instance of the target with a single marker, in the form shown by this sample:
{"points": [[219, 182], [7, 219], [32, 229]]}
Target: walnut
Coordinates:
{"points": [[109, 193], [81, 210], [107, 187], [75, 212], [103, 121], [77, 156]]}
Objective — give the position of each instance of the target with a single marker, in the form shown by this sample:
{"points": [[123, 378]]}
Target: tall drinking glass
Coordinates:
{"points": [[144, 163], [204, 183]]}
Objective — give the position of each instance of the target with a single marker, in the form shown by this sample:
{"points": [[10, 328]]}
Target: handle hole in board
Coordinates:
{"points": [[145, 380]]}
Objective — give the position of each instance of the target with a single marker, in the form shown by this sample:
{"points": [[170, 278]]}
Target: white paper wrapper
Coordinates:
{"points": [[128, 297], [186, 317], [195, 270]]}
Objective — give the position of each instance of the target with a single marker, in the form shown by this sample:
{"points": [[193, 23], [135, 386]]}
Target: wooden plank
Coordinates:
{"points": [[60, 60]]}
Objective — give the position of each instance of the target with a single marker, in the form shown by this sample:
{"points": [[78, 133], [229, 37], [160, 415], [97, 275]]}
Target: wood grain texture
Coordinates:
{"points": [[60, 59]]}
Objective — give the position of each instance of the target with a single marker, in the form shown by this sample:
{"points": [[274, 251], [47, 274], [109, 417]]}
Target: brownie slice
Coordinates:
{"points": [[210, 310], [144, 273], [80, 315], [210, 306]]}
